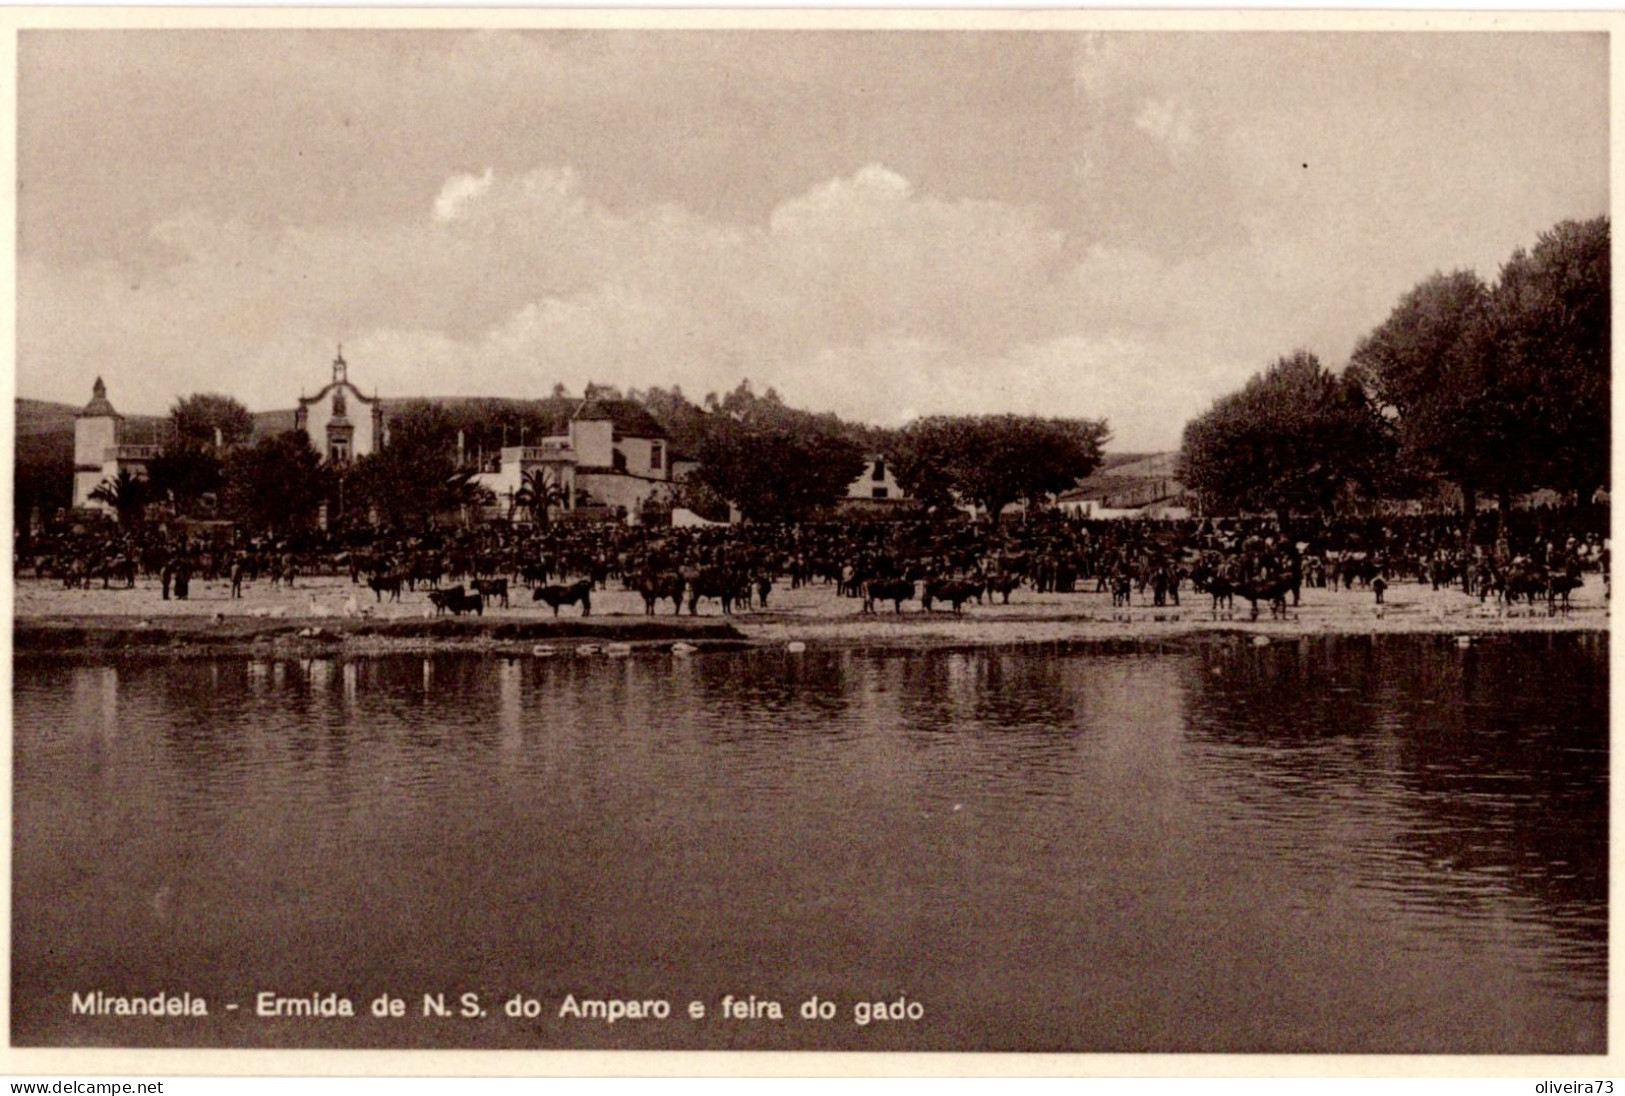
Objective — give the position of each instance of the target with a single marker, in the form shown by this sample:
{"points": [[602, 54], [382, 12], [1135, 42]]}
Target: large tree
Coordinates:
{"points": [[1550, 324], [1503, 388], [1431, 370], [994, 460], [415, 477], [208, 419], [1292, 440], [277, 484], [774, 462], [182, 474]]}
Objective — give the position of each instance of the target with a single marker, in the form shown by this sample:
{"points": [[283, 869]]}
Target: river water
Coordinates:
{"points": [[1392, 844]]}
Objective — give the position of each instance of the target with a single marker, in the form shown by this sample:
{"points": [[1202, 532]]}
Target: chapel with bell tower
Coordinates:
{"points": [[342, 422]]}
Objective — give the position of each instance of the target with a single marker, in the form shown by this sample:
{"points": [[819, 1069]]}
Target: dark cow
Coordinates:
{"points": [[894, 590], [1221, 589], [428, 570], [1560, 585], [121, 568], [577, 593], [1216, 583], [1523, 580], [457, 600], [382, 584], [728, 587], [658, 587], [492, 589], [954, 591], [1270, 588], [1002, 585]]}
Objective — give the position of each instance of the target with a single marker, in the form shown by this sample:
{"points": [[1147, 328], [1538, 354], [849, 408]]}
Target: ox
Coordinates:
{"points": [[657, 587], [726, 586], [577, 593], [954, 591], [382, 584], [894, 590], [492, 589], [458, 601]]}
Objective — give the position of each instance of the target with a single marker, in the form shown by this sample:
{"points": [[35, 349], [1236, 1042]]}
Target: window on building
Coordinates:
{"points": [[338, 451], [881, 492], [657, 456], [880, 474]]}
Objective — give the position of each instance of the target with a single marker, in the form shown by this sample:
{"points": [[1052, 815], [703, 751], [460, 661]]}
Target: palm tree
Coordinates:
{"points": [[539, 490], [126, 493], [466, 494]]}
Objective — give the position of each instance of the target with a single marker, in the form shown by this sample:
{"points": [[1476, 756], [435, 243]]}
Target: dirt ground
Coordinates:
{"points": [[811, 614]]}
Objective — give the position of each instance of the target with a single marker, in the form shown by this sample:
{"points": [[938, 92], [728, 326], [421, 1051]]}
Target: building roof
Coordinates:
{"points": [[356, 393], [98, 407], [629, 418]]}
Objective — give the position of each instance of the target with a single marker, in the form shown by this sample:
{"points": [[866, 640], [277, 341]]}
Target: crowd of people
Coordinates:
{"points": [[1530, 554]]}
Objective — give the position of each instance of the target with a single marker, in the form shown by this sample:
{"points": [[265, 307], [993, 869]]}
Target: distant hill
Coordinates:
{"points": [[1108, 461], [268, 424], [36, 417]]}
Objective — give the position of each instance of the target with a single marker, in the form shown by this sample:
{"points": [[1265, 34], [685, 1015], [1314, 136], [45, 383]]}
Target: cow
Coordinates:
{"points": [[457, 600], [728, 587], [382, 584], [1559, 585], [656, 587], [1270, 588], [493, 588], [577, 593], [1003, 584], [894, 590], [954, 591], [1523, 579], [428, 570]]}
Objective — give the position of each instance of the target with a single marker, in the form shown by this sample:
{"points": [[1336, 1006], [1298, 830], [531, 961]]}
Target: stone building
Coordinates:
{"points": [[101, 450], [343, 424], [608, 453]]}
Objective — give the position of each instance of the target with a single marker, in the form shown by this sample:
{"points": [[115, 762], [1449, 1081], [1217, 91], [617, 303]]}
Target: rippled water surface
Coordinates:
{"points": [[1356, 844]]}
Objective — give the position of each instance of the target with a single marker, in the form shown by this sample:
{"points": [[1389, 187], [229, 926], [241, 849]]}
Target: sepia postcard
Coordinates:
{"points": [[1066, 543]]}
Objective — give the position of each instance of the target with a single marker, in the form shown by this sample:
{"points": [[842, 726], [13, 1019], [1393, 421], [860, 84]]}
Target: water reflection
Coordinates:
{"points": [[1216, 847]]}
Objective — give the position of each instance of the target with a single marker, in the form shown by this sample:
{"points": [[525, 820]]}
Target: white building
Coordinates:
{"points": [[1144, 488], [100, 450], [875, 484], [343, 424], [609, 453]]}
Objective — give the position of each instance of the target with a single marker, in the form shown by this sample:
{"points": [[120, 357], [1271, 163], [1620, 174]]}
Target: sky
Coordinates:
{"points": [[882, 224]]}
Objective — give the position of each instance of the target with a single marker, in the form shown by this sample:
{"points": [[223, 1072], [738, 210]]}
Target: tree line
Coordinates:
{"points": [[1497, 389], [754, 452]]}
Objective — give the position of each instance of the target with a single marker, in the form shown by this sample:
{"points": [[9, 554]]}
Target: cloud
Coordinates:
{"points": [[862, 293], [1168, 121], [458, 192]]}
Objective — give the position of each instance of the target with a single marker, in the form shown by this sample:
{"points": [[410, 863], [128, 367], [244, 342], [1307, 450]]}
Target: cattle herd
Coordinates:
{"points": [[1533, 556]]}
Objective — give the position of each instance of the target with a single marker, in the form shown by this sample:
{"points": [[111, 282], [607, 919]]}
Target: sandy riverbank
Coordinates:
{"points": [[331, 613]]}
